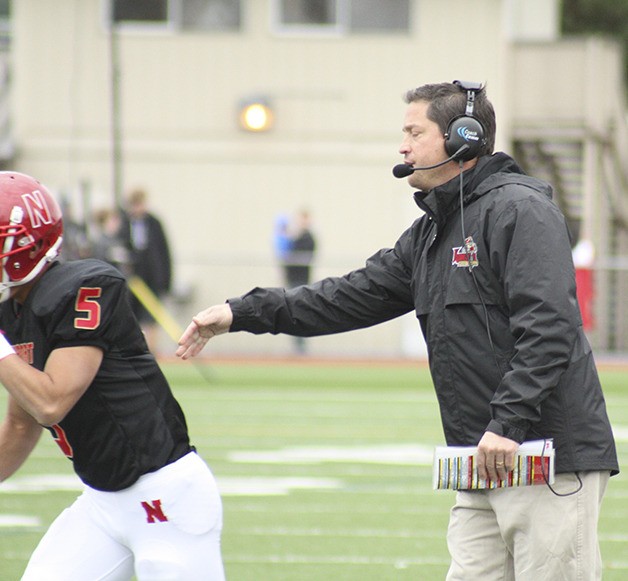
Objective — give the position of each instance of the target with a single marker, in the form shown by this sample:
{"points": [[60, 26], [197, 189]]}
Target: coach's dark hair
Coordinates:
{"points": [[448, 101]]}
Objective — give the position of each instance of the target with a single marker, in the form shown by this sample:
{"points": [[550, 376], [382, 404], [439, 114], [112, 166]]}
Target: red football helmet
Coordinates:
{"points": [[31, 228]]}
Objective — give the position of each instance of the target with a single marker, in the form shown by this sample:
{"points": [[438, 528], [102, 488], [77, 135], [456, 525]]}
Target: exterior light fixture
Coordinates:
{"points": [[256, 115]]}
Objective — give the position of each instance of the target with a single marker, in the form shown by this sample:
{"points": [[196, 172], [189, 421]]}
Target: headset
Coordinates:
{"points": [[465, 129]]}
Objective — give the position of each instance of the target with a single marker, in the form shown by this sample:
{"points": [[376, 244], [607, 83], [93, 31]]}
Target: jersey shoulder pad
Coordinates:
{"points": [[62, 281]]}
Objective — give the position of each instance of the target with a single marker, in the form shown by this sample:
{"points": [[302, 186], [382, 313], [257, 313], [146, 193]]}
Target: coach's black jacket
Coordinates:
{"points": [[506, 346]]}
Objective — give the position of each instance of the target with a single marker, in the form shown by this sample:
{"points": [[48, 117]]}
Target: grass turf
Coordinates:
{"points": [[302, 454]]}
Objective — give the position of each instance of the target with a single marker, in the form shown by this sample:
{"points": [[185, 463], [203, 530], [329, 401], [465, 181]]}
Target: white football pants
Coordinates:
{"points": [[166, 526]]}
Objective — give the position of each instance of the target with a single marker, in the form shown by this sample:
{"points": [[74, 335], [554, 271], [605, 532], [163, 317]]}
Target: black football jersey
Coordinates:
{"points": [[127, 422]]}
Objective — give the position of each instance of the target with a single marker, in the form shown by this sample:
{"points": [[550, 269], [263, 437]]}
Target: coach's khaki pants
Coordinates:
{"points": [[528, 533]]}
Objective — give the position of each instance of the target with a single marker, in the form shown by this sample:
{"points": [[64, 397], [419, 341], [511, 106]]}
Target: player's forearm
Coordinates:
{"points": [[22, 382], [19, 433], [33, 390], [50, 394]]}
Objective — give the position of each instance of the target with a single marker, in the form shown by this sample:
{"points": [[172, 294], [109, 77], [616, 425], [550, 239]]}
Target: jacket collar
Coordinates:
{"points": [[440, 202]]}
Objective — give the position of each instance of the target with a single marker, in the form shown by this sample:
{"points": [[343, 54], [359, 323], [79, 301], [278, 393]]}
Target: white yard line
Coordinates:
{"points": [[19, 521], [397, 562]]}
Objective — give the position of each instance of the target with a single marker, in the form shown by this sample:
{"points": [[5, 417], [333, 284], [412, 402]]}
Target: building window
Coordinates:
{"points": [[309, 12], [341, 16], [201, 15], [140, 11], [378, 16], [5, 23], [210, 15]]}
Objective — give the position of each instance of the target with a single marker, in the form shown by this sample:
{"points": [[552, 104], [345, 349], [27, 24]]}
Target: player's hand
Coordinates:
{"points": [[496, 456], [213, 321]]}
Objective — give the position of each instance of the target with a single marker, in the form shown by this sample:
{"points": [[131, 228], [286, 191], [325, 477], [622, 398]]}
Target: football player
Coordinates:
{"points": [[75, 363]]}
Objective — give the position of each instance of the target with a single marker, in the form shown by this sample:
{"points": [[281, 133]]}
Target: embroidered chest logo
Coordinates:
{"points": [[465, 256]]}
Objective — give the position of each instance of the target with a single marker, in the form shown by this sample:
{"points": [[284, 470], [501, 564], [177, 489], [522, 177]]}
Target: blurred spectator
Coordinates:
{"points": [[583, 258], [281, 236], [75, 240], [282, 243], [108, 244], [146, 239], [301, 252], [298, 260]]}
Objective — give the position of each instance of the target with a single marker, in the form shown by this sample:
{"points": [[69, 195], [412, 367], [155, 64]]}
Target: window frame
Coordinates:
{"points": [[337, 29], [165, 26], [172, 24], [342, 27]]}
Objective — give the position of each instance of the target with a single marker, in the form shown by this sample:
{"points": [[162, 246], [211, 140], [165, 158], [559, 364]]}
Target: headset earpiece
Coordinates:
{"points": [[464, 130]]}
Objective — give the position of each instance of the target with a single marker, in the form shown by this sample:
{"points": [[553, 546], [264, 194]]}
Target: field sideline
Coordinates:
{"points": [[324, 468]]}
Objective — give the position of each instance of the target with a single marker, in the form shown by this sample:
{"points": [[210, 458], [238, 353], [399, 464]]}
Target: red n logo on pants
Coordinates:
{"points": [[154, 512]]}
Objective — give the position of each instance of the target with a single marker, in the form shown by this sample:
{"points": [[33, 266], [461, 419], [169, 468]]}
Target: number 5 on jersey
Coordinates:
{"points": [[87, 303]]}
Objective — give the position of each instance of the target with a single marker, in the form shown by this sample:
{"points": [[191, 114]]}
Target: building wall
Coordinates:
{"points": [[338, 110]]}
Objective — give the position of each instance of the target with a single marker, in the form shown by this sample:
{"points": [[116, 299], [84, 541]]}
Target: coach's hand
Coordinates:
{"points": [[496, 456], [213, 321]]}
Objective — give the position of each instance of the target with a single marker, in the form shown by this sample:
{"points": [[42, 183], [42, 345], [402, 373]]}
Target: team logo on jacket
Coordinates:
{"points": [[465, 256]]}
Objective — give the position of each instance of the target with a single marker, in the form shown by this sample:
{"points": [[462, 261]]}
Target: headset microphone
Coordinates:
{"points": [[405, 169]]}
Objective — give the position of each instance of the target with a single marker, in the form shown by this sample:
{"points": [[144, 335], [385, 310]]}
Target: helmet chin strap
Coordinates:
{"points": [[6, 285]]}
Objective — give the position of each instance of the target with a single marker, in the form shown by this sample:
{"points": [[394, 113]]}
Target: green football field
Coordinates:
{"points": [[324, 470]]}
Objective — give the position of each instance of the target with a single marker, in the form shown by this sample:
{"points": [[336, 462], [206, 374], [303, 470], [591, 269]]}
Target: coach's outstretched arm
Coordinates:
{"points": [[212, 321]]}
